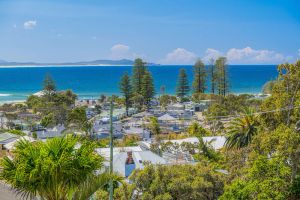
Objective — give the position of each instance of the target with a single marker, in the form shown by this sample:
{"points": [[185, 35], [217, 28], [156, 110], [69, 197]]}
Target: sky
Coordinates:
{"points": [[160, 31]]}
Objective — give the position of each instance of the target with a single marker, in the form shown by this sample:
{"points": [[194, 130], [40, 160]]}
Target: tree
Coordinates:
{"points": [[222, 80], [266, 179], [268, 86], [177, 182], [49, 86], [212, 73], [147, 89], [199, 83], [126, 90], [196, 130], [183, 87], [139, 69], [77, 118], [242, 130], [165, 100], [154, 126], [285, 97], [53, 170]]}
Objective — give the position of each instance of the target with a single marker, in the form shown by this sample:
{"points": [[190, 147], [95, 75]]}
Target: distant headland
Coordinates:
{"points": [[106, 62]]}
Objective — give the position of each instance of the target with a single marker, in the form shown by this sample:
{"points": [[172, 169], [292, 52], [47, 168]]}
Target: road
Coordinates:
{"points": [[6, 193]]}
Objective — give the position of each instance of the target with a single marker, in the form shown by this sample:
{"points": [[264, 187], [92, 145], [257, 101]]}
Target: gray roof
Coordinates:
{"points": [[7, 138]]}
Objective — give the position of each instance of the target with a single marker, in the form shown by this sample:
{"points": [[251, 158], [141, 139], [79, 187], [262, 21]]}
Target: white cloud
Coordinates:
{"points": [[248, 55], [120, 51], [180, 56], [211, 54], [30, 24]]}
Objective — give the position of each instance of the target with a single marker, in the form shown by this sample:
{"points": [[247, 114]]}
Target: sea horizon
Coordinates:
{"points": [[90, 81]]}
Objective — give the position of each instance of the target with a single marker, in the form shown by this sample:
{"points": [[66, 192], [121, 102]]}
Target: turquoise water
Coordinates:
{"points": [[16, 83]]}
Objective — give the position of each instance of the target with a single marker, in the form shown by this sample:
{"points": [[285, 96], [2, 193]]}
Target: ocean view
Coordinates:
{"points": [[16, 83], [149, 100]]}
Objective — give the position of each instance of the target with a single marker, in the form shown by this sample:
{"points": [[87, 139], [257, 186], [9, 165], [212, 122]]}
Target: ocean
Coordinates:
{"points": [[17, 83]]}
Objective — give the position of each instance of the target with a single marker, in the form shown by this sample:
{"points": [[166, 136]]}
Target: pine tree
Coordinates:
{"points": [[222, 80], [199, 83], [147, 89], [212, 72], [139, 69], [126, 90], [49, 86], [183, 87]]}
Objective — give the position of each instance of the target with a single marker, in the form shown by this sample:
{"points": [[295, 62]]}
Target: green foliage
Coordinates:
{"points": [[231, 105], [48, 120], [242, 130], [77, 119], [138, 101], [154, 126], [221, 78], [198, 97], [34, 135], [54, 170], [266, 179], [206, 152], [54, 109], [147, 89], [183, 87], [268, 86], [139, 69], [165, 100], [17, 132], [199, 83], [285, 94], [177, 182], [49, 84], [126, 90], [213, 75], [195, 129]]}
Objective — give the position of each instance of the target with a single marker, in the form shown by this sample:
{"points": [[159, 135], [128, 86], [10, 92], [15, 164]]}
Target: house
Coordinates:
{"points": [[50, 132], [141, 132], [6, 138], [102, 129], [176, 107], [129, 159], [11, 145], [166, 118]]}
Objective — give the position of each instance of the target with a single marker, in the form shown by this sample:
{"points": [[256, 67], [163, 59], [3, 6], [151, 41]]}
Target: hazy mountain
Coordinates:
{"points": [[93, 62]]}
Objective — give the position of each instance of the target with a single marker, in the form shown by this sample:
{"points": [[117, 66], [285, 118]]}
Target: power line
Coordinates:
{"points": [[255, 113]]}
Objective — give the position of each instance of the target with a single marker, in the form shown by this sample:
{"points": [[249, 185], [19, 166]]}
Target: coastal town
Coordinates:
{"points": [[150, 100], [141, 128]]}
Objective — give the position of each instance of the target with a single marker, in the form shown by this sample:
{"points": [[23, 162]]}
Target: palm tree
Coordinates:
{"points": [[54, 170], [242, 130]]}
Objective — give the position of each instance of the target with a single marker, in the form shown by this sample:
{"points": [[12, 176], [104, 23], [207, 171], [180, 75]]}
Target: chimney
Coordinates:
{"points": [[129, 159]]}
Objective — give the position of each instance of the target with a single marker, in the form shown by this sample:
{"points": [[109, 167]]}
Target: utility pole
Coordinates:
{"points": [[111, 187]]}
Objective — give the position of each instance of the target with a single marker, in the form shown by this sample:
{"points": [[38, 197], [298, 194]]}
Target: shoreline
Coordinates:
{"points": [[12, 101], [111, 65]]}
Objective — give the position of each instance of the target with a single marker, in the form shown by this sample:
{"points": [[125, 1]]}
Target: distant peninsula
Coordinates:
{"points": [[80, 63]]}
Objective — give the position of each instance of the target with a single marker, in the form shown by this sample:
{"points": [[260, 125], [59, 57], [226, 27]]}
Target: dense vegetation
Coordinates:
{"points": [[56, 169]]}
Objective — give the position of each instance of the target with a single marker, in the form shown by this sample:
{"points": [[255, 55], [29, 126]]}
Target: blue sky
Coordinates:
{"points": [[162, 31]]}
